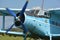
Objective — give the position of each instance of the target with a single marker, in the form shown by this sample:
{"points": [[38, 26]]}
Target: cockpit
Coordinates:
{"points": [[35, 14], [32, 12]]}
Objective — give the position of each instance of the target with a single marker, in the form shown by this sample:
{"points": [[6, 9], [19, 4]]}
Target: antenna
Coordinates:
{"points": [[41, 12], [42, 6]]}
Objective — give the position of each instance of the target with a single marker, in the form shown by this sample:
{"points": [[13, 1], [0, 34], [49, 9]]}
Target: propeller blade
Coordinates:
{"points": [[11, 12], [23, 9], [25, 28], [9, 29]]}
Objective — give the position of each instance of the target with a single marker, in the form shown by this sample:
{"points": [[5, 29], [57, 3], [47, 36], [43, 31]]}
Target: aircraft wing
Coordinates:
{"points": [[28, 11], [3, 10], [54, 11], [12, 32], [55, 34]]}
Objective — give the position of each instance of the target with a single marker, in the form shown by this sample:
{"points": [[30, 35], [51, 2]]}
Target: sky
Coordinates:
{"points": [[32, 3]]}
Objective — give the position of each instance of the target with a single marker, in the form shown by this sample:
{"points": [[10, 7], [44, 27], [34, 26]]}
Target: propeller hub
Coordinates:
{"points": [[17, 23], [19, 19]]}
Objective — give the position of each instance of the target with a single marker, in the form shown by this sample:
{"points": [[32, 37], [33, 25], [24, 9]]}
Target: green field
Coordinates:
{"points": [[12, 37], [7, 37]]}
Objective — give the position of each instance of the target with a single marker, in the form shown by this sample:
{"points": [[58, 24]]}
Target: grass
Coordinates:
{"points": [[11, 37], [7, 37]]}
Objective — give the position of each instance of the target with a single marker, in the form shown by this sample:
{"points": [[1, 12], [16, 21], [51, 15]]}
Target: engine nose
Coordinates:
{"points": [[17, 23], [19, 20]]}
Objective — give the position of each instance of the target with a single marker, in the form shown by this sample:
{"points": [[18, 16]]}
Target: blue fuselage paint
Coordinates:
{"points": [[37, 25], [55, 21]]}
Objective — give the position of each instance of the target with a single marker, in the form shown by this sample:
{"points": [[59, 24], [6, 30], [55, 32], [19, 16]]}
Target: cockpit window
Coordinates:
{"points": [[35, 12], [47, 14], [32, 12]]}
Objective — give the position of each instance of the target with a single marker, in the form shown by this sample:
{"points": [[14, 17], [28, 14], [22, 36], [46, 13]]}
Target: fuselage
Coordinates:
{"points": [[43, 26], [37, 25]]}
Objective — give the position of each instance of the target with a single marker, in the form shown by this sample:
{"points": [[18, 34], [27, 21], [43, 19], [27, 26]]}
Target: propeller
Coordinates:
{"points": [[20, 14], [23, 9], [11, 12], [9, 28]]}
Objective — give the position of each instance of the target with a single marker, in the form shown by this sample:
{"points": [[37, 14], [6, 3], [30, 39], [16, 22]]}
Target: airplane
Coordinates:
{"points": [[42, 26]]}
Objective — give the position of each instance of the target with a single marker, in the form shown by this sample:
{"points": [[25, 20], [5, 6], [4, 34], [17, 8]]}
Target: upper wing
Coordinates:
{"points": [[3, 10], [28, 11], [54, 11]]}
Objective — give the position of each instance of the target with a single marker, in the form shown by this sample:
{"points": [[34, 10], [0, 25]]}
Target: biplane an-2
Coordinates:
{"points": [[47, 25]]}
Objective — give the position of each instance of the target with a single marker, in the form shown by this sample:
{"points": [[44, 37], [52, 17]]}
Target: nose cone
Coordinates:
{"points": [[17, 23], [19, 19]]}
